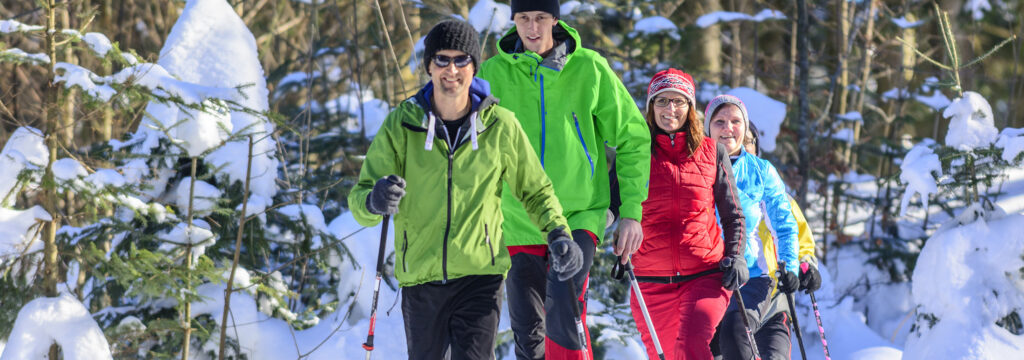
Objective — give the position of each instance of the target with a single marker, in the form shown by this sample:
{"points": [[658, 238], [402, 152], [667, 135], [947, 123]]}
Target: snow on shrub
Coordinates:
{"points": [[916, 172], [61, 319], [971, 123]]}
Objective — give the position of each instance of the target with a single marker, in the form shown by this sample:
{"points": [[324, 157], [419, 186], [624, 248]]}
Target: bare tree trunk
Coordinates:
{"points": [[803, 114], [186, 321], [52, 118], [711, 45], [792, 64], [843, 10]]}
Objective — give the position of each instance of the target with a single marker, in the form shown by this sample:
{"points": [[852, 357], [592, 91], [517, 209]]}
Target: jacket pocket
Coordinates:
{"points": [[405, 250], [490, 248], [579, 133]]}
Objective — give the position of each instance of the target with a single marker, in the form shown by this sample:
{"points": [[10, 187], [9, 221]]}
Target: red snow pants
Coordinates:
{"points": [[684, 314]]}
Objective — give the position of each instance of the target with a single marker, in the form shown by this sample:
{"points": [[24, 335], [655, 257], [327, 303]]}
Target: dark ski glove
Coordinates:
{"points": [[566, 256], [810, 278], [386, 193], [735, 272], [788, 282]]}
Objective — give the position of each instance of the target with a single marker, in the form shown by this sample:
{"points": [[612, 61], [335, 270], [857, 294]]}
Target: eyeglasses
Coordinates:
{"points": [[679, 103], [460, 61]]}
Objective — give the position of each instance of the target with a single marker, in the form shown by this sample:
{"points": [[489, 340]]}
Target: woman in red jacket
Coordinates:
{"points": [[687, 272]]}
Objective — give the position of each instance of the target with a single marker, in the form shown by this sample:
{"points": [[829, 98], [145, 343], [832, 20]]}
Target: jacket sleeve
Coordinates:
{"points": [[382, 159], [619, 121], [528, 181], [806, 248], [728, 203], [779, 217]]}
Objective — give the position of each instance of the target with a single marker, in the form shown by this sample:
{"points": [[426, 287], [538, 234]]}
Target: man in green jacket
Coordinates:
{"points": [[571, 105], [442, 181]]}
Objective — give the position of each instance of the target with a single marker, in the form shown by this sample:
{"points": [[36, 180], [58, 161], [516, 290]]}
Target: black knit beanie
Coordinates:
{"points": [[549, 6], [452, 35]]}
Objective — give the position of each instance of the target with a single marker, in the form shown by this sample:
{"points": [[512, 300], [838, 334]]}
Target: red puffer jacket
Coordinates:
{"points": [[681, 234]]}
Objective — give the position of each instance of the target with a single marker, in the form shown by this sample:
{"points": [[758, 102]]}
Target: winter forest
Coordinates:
{"points": [[174, 175]]}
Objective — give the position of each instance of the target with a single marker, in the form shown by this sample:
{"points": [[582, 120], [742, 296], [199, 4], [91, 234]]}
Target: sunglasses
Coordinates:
{"points": [[460, 61], [663, 102]]}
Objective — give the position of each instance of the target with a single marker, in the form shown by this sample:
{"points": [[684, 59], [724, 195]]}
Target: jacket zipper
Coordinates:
{"points": [[448, 223], [584, 143], [405, 250], [490, 248], [543, 121]]}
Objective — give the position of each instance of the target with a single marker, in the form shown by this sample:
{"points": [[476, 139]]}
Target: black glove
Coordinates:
{"points": [[788, 282], [566, 256], [386, 193], [735, 272], [810, 278]]}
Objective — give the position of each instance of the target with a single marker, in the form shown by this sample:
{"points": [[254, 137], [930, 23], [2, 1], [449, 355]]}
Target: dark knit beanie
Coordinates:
{"points": [[549, 6], [452, 35]]}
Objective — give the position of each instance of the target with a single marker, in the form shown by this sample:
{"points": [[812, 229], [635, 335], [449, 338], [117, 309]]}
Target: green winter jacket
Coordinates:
{"points": [[571, 106], [449, 222]]}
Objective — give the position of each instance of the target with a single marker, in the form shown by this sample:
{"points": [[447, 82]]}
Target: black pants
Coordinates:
{"points": [[732, 336], [462, 314], [539, 305]]}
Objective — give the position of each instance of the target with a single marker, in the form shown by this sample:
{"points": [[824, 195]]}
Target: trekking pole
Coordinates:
{"points": [[617, 270], [743, 314], [792, 310], [368, 345], [817, 316], [580, 332]]}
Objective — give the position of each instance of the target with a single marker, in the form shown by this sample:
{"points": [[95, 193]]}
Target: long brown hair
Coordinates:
{"points": [[693, 126]]}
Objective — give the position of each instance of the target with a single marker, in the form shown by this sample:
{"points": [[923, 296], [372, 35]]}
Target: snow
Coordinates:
{"points": [[63, 320], [73, 75], [23, 150], [19, 230], [204, 200], [903, 23], [895, 94], [916, 172], [488, 16], [417, 50], [852, 116], [257, 205], [656, 25], [968, 277], [936, 100], [198, 235], [971, 123], [569, 7], [9, 26], [1012, 142], [210, 46], [308, 214], [105, 177], [977, 8], [201, 131], [67, 169], [19, 53], [373, 112], [766, 113], [713, 18], [98, 43], [844, 135]]}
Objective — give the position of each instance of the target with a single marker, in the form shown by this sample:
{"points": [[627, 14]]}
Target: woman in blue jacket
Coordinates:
{"points": [[762, 195]]}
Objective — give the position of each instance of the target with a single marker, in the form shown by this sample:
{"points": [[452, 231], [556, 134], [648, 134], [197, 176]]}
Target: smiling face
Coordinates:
{"points": [[451, 80], [728, 128], [535, 30], [668, 116]]}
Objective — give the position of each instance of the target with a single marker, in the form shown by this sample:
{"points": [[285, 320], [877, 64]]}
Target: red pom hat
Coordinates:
{"points": [[671, 80]]}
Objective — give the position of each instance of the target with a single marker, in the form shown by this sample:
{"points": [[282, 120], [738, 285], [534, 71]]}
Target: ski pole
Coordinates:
{"points": [[368, 345], [743, 314], [817, 316], [616, 270], [792, 311], [580, 332]]}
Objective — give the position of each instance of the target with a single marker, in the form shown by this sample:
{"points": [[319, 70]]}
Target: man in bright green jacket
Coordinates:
{"points": [[571, 105], [437, 165]]}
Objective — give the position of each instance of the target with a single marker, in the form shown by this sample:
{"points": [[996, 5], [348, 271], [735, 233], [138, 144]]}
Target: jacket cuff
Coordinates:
{"points": [[632, 211]]}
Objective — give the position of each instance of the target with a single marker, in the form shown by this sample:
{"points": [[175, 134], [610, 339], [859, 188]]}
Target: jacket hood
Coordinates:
{"points": [[567, 40]]}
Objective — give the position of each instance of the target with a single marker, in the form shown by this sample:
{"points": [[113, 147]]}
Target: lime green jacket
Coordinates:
{"points": [[449, 223], [571, 106]]}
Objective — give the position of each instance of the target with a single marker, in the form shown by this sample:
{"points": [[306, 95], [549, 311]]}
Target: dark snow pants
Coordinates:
{"points": [[539, 305], [459, 317], [732, 336]]}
